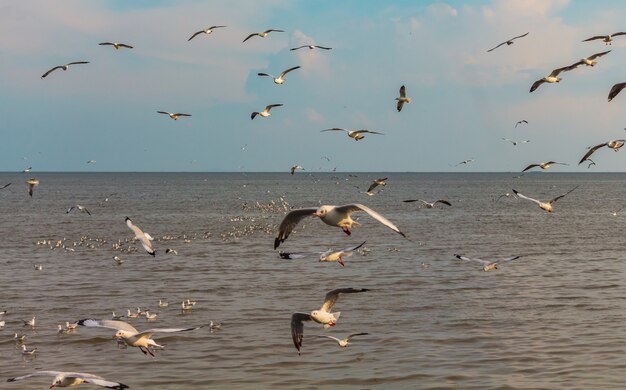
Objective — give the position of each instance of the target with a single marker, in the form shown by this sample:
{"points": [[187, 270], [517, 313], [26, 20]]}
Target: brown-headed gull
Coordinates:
{"points": [[78, 207], [607, 39], [378, 182], [281, 78], [132, 336], [553, 77], [174, 116], [327, 256], [402, 99], [32, 183], [207, 31], [145, 238], [507, 42], [343, 343], [355, 134], [546, 206], [487, 265], [615, 144], [617, 88], [262, 34], [265, 112], [70, 379], [321, 316], [338, 216], [64, 67], [543, 166], [429, 205], [116, 45]]}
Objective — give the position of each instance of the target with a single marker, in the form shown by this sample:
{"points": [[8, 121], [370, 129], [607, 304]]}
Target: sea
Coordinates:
{"points": [[552, 319]]}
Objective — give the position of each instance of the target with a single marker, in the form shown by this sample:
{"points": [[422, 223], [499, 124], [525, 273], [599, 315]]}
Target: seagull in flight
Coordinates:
{"points": [[376, 183], [262, 34], [343, 343], [607, 39], [173, 116], [465, 162], [32, 183], [508, 42], [79, 208], [428, 205], [546, 206], [266, 112], [311, 47], [70, 379], [402, 99], [589, 61], [145, 238], [295, 168], [552, 77], [207, 31], [520, 122], [115, 45], [327, 256], [280, 79], [615, 144], [515, 143], [487, 265], [543, 166], [506, 195], [355, 134], [617, 88], [64, 67]]}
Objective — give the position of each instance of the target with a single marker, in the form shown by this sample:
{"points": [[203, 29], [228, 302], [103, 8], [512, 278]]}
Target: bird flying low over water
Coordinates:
{"points": [[520, 122], [515, 143], [266, 112], [311, 47], [355, 134], [376, 183], [546, 206], [321, 316], [615, 144], [487, 265], [32, 183], [115, 45], [428, 205], [616, 89], [327, 256], [589, 61], [607, 39], [144, 238], [402, 99], [172, 115], [71, 379], [543, 166], [207, 31], [508, 42], [295, 168], [343, 343], [64, 67], [262, 34], [280, 79], [339, 216], [552, 77], [79, 208]]}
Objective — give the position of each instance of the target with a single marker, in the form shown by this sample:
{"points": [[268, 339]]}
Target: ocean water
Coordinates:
{"points": [[551, 319]]}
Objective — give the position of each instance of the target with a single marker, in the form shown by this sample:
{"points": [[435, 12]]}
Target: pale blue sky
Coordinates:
{"points": [[464, 99]]}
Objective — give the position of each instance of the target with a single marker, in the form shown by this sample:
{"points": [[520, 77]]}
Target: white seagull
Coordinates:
{"points": [[145, 238], [327, 256], [465, 162], [115, 45], [64, 67], [543, 166], [552, 77], [280, 79], [487, 265], [32, 183], [615, 144], [30, 322], [321, 316], [617, 88], [607, 39], [338, 216], [515, 143], [172, 115], [589, 61], [311, 47], [428, 205], [208, 30], [520, 122], [508, 42], [378, 182], [402, 99], [265, 112], [262, 34], [355, 134], [546, 206], [70, 379], [28, 352], [295, 168], [343, 342], [78, 207]]}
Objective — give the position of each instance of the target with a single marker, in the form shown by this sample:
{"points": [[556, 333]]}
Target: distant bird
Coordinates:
{"points": [[311, 47], [615, 144], [32, 183], [265, 112], [508, 42], [64, 67], [402, 99], [70, 379], [262, 34], [207, 31], [607, 39], [552, 77], [213, 326], [163, 303], [169, 250], [115, 45], [546, 206], [144, 238], [173, 116], [543, 166], [78, 207], [28, 352], [25, 170], [429, 205], [91, 161], [295, 168], [355, 134], [339, 216], [19, 338], [506, 195], [321, 316], [30, 322], [5, 186], [589, 61], [465, 162], [38, 267], [71, 326], [616, 89], [614, 213], [487, 265], [591, 162], [280, 79], [376, 183], [118, 260], [327, 256], [515, 143], [150, 316], [343, 342], [520, 122]]}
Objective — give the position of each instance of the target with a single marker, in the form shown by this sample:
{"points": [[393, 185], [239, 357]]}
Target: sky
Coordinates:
{"points": [[464, 99]]}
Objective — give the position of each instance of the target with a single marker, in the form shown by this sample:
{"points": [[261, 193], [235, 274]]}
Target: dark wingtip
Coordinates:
{"points": [[277, 242], [153, 253], [127, 219]]}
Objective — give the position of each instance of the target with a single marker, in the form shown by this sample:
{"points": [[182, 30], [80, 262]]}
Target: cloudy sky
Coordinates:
{"points": [[464, 99]]}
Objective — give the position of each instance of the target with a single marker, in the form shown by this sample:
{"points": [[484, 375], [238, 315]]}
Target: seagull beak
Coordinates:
{"points": [[52, 385], [114, 337]]}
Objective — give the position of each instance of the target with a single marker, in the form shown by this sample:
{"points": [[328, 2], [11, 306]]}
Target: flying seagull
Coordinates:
{"points": [[487, 265], [91, 161], [402, 99], [520, 122], [508, 42], [31, 184], [355, 134], [552, 77], [311, 47], [25, 170], [280, 79], [617, 88], [344, 342], [145, 238], [70, 379], [327, 256], [266, 112], [171, 115], [546, 206], [295, 168], [589, 61], [338, 216], [208, 30], [115, 45], [515, 143], [543, 166], [506, 195], [262, 34], [79, 208], [465, 162], [64, 67], [376, 183], [607, 39], [428, 205], [615, 144], [321, 316]]}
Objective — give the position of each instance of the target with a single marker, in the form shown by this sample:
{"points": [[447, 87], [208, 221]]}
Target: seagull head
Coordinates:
{"points": [[322, 211], [121, 334]]}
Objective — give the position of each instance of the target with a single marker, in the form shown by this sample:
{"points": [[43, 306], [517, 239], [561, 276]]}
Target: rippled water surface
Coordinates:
{"points": [[552, 319]]}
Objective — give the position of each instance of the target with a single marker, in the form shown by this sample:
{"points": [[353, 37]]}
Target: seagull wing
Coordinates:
{"points": [[442, 201], [399, 105], [352, 248], [526, 197], [297, 255], [355, 334], [402, 91], [594, 38], [367, 131], [336, 129], [250, 36], [509, 259], [560, 196], [492, 49], [195, 34], [323, 47], [181, 114], [270, 30], [51, 70], [78, 62], [110, 324], [125, 45], [150, 332], [411, 200], [70, 209], [270, 106], [5, 186], [594, 56], [96, 380], [37, 373], [214, 27], [615, 90], [351, 208], [266, 74], [536, 84], [618, 33], [299, 47], [297, 328], [556, 72], [590, 152], [372, 186], [165, 112], [475, 259], [519, 36], [328, 337], [530, 166], [332, 296], [289, 70], [290, 221], [106, 44]]}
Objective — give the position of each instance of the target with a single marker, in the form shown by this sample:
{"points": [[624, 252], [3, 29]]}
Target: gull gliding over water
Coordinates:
{"points": [[64, 67], [280, 79], [376, 183], [207, 31], [262, 34], [172, 115], [607, 39], [71, 379], [115, 45], [428, 205], [508, 42], [145, 238], [355, 134], [543, 166], [546, 206], [613, 144], [552, 77], [487, 265], [617, 88], [79, 208], [295, 168], [266, 112], [328, 256], [343, 343], [402, 99], [589, 61]]}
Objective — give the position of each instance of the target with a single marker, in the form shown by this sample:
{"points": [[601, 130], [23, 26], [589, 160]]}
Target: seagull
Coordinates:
{"points": [[79, 208], [266, 111], [150, 316], [321, 316], [311, 47], [5, 186], [508, 42], [506, 195], [64, 67], [520, 122], [27, 169], [280, 79], [295, 168], [213, 326], [19, 338], [208, 30], [38, 267], [376, 183], [465, 162], [331, 215], [115, 45], [614, 213], [345, 342], [487, 265], [30, 322], [31, 184], [163, 303], [118, 260], [145, 238], [262, 34], [130, 314], [591, 162], [173, 116], [546, 206], [402, 99], [70, 326], [169, 250], [615, 144], [356, 134], [116, 317], [617, 88], [589, 61], [70, 379], [132, 336], [328, 256], [552, 77], [429, 205], [515, 142], [543, 166], [28, 352], [607, 39]]}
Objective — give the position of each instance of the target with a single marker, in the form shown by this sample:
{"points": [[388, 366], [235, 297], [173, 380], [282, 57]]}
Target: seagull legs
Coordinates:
{"points": [[146, 351], [346, 230], [340, 261]]}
